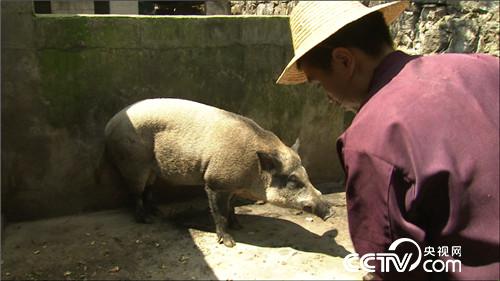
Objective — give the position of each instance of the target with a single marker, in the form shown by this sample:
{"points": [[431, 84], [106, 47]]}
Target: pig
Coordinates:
{"points": [[189, 143]]}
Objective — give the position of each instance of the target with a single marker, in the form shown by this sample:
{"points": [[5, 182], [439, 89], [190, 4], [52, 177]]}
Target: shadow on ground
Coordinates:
{"points": [[270, 232]]}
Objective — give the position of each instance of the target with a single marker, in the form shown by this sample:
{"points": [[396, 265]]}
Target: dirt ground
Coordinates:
{"points": [[275, 243]]}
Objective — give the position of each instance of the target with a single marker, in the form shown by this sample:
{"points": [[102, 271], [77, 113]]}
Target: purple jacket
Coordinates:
{"points": [[421, 159]]}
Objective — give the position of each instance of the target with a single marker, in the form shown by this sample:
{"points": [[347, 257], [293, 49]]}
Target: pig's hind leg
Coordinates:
{"points": [[233, 222], [150, 205], [135, 162], [220, 207], [137, 181]]}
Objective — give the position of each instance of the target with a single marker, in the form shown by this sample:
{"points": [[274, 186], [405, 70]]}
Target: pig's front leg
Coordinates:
{"points": [[219, 206]]}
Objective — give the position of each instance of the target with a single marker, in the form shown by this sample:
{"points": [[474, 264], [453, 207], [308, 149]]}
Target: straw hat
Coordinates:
{"points": [[311, 22]]}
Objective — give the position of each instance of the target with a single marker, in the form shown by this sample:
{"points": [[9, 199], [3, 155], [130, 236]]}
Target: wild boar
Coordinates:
{"points": [[189, 143]]}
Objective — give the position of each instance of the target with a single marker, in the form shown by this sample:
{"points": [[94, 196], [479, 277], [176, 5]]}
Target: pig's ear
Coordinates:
{"points": [[296, 145], [268, 162]]}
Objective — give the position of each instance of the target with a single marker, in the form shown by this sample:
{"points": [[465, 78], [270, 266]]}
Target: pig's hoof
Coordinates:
{"points": [[227, 240]]}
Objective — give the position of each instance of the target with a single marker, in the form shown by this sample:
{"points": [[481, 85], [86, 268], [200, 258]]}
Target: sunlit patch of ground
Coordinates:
{"points": [[275, 243]]}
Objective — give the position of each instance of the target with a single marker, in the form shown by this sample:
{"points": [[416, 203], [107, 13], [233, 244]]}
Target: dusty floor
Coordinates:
{"points": [[275, 243]]}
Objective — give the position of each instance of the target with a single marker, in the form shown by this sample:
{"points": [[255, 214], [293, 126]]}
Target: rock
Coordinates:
{"points": [[114, 269], [237, 8], [268, 9], [217, 7], [260, 9], [281, 9], [463, 38], [183, 259]]}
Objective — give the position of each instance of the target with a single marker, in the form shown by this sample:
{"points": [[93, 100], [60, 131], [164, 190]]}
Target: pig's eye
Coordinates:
{"points": [[294, 182], [279, 181]]}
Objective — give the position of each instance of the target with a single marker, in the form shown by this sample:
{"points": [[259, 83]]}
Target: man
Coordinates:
{"points": [[421, 157]]}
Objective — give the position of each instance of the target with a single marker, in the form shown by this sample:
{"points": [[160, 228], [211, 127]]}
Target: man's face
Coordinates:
{"points": [[326, 79], [337, 81]]}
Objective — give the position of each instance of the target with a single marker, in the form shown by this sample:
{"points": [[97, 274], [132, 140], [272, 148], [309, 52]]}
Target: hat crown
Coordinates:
{"points": [[313, 21]]}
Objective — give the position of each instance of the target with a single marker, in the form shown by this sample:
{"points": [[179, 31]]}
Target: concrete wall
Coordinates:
{"points": [[72, 7], [126, 7], [63, 77]]}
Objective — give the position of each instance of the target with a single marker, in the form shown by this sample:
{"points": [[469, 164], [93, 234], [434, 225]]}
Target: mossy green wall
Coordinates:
{"points": [[63, 77]]}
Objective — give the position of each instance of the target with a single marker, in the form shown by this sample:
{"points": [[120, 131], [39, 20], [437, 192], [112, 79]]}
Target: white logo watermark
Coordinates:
{"points": [[392, 261]]}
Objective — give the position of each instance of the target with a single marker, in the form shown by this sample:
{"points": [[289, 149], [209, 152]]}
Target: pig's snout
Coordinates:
{"points": [[322, 209], [326, 213], [308, 209]]}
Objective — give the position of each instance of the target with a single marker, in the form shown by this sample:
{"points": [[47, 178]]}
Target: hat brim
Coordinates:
{"points": [[292, 75]]}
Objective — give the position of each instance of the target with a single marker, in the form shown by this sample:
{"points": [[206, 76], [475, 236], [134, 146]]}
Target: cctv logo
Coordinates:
{"points": [[386, 259], [389, 261]]}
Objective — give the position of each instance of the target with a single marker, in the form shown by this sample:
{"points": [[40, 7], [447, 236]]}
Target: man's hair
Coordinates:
{"points": [[369, 34]]}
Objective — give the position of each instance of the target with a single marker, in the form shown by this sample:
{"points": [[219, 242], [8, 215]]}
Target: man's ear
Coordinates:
{"points": [[343, 60], [269, 162]]}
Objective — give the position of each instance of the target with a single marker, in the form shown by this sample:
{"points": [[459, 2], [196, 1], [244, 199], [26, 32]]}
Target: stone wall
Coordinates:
{"points": [[449, 27], [262, 8], [63, 77], [217, 7], [427, 26]]}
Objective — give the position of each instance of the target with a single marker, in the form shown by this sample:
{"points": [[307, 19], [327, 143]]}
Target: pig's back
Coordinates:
{"points": [[187, 119], [184, 135], [170, 114]]}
